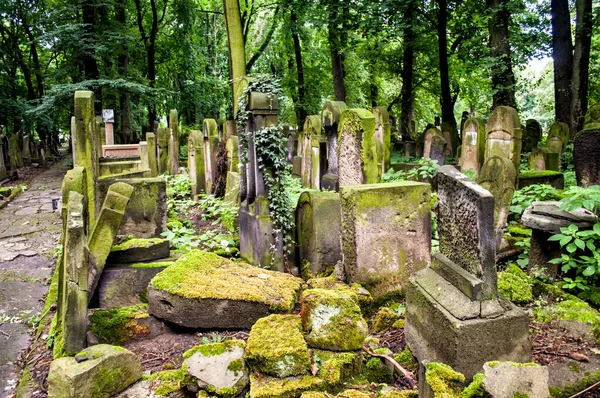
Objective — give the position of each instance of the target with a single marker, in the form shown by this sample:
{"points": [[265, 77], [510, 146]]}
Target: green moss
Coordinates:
{"points": [[353, 394], [571, 309], [443, 380], [203, 275], [312, 394], [583, 383], [109, 379], [236, 366], [352, 121], [23, 389], [209, 350], [376, 372], [515, 285], [336, 367], [137, 243], [399, 324], [519, 365], [538, 174], [169, 381], [406, 359], [400, 394], [475, 389], [270, 387], [158, 264], [51, 298], [385, 319], [520, 395], [591, 295], [519, 230], [117, 325], [276, 346], [364, 298]]}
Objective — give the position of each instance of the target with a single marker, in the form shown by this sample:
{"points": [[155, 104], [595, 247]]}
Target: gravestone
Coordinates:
{"points": [[473, 144], [16, 158], [427, 139], [152, 159], [318, 229], [26, 154], [542, 159], [330, 117], [173, 142], [386, 233], [196, 163], [586, 151], [438, 149], [258, 245], [454, 312], [84, 144], [233, 157], [498, 175], [210, 129], [383, 137], [162, 140], [449, 134], [357, 150], [105, 230], [503, 135], [533, 134], [144, 161], [309, 148]]}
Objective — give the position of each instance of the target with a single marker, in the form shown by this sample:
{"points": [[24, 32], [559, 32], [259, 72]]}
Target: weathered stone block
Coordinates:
{"points": [[108, 370], [473, 145], [146, 212], [498, 175], [162, 141], [173, 161], [504, 135], [203, 290], [383, 135], [357, 151], [196, 162], [233, 157], [232, 188], [554, 178], [152, 154], [276, 346], [509, 379], [434, 334], [386, 233], [318, 230], [332, 320], [139, 250]]}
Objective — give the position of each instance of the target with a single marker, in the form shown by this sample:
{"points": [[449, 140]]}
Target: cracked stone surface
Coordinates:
{"points": [[29, 232]]}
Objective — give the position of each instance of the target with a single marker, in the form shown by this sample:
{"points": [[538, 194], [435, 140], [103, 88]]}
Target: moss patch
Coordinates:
{"points": [[571, 309], [400, 394], [538, 174], [406, 359], [365, 300], [137, 243], [270, 387], [376, 372], [475, 389], [385, 319], [209, 350], [582, 384], [515, 285], [276, 346], [203, 275], [443, 380], [335, 368], [168, 381], [118, 325]]}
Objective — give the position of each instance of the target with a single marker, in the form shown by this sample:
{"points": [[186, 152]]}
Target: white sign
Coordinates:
{"points": [[108, 115]]}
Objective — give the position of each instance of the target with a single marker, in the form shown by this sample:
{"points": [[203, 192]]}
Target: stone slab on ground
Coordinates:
{"points": [[507, 380], [139, 250], [203, 290]]}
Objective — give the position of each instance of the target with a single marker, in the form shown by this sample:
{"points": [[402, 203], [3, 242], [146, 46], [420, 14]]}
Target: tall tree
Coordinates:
{"points": [[562, 53], [581, 64], [408, 60], [503, 78], [337, 41]]}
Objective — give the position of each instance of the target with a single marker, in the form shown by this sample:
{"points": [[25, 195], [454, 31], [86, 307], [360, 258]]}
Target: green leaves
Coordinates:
{"points": [[524, 196]]}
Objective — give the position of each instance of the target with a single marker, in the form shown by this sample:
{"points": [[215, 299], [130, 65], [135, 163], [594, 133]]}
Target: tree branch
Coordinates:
{"points": [[265, 42], [408, 375]]}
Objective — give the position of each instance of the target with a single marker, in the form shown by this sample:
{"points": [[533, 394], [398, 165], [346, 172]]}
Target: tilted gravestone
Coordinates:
{"points": [[211, 149], [438, 149], [386, 233], [309, 144], [233, 157], [586, 151], [383, 137], [473, 144], [196, 163], [454, 312], [427, 140], [330, 118], [357, 151]]}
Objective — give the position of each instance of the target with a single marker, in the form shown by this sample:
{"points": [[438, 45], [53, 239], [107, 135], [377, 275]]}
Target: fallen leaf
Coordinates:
{"points": [[314, 369]]}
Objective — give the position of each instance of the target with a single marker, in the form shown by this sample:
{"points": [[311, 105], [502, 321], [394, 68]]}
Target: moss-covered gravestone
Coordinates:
{"points": [[548, 157], [357, 149], [162, 140], [383, 137], [454, 313], [438, 149], [331, 114], [450, 135], [473, 144], [15, 151], [3, 171], [586, 152], [211, 149], [26, 153], [532, 135], [196, 163], [309, 148], [173, 142], [152, 153], [232, 188], [233, 156], [105, 229], [318, 231], [503, 135], [386, 233]]}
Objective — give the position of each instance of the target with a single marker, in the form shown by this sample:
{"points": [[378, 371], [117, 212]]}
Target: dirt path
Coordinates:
{"points": [[29, 233]]}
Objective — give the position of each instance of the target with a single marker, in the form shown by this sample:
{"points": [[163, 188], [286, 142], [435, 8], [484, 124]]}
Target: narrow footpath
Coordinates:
{"points": [[29, 238]]}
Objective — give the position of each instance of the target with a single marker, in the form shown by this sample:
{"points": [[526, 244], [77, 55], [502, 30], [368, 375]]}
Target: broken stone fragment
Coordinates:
{"points": [[276, 346], [510, 379], [218, 368], [139, 250], [203, 290], [109, 370], [332, 320]]}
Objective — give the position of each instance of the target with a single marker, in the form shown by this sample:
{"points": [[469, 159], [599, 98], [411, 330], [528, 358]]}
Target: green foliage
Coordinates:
{"points": [[398, 157], [578, 197], [393, 176], [221, 211], [531, 193], [425, 171]]}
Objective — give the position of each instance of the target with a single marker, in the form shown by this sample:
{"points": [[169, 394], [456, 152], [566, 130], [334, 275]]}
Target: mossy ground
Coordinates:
{"points": [[167, 381], [203, 275], [291, 387], [515, 285], [385, 319], [365, 300], [116, 326]]}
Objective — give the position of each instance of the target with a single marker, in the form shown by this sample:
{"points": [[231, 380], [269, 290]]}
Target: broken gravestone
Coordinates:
{"points": [[453, 308], [309, 148], [330, 119]]}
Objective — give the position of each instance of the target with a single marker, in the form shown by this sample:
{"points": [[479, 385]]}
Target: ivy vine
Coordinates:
{"points": [[271, 149]]}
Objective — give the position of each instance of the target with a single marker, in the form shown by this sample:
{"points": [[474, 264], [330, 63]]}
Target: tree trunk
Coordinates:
{"points": [[237, 51], [90, 65], [336, 48], [408, 60], [300, 105], [124, 97], [581, 64], [562, 53], [503, 79], [447, 105]]}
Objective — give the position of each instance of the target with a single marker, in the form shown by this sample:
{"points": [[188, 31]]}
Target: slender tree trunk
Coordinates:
{"points": [[562, 53], [90, 65], [447, 105], [124, 96], [265, 43], [301, 111], [503, 79], [408, 60], [581, 63], [336, 49], [237, 51]]}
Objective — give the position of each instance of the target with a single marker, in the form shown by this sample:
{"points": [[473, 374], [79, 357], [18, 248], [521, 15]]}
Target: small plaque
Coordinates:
{"points": [[108, 115]]}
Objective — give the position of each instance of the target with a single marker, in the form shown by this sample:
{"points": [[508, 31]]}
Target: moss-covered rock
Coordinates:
{"points": [[385, 319], [139, 250], [353, 394], [376, 371], [399, 394], [335, 367], [365, 300], [118, 325], [276, 346], [108, 370], [168, 382], [515, 285], [406, 359], [332, 320], [203, 290], [291, 387], [443, 380]]}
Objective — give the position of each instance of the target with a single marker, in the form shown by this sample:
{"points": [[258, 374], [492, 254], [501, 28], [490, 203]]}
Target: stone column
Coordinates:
{"points": [[98, 136], [196, 162], [173, 142], [84, 153], [357, 150], [211, 148], [330, 118], [145, 163], [163, 149], [308, 142], [233, 157], [152, 160], [383, 137]]}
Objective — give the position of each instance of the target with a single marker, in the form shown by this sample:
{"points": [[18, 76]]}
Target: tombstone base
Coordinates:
{"points": [[553, 178], [256, 238], [434, 334], [330, 182]]}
